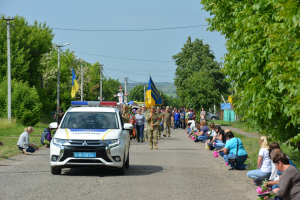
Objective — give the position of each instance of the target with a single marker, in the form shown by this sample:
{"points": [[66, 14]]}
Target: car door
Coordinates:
{"points": [[207, 116], [126, 136]]}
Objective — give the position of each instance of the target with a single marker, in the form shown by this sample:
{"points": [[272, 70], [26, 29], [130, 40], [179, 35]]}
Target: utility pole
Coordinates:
{"points": [[144, 93], [101, 68], [8, 70], [125, 99], [58, 79], [81, 82]]}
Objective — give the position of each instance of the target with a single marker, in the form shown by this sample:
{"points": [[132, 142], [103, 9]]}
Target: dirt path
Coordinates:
{"points": [[237, 130]]}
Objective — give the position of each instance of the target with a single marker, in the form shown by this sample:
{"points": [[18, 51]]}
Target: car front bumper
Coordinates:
{"points": [[104, 156]]}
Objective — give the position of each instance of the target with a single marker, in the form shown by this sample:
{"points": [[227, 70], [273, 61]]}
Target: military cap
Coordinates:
{"points": [[167, 107], [153, 107], [158, 107]]}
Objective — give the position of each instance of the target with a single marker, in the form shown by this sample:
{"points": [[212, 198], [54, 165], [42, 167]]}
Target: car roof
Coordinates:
{"points": [[92, 109]]}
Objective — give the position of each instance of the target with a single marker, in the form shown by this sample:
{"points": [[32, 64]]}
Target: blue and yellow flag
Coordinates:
{"points": [[74, 85], [152, 95]]}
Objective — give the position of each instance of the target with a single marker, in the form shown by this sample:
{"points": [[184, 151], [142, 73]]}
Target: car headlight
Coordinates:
{"points": [[60, 141], [110, 142]]}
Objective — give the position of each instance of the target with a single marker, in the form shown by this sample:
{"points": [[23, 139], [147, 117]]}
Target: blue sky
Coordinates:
{"points": [[123, 15]]}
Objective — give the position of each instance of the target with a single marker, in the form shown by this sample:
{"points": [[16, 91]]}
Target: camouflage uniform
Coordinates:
{"points": [[126, 116], [160, 120], [167, 121], [145, 113], [153, 133]]}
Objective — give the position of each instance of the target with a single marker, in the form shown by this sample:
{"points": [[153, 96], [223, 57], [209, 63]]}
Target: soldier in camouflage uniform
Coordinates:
{"points": [[153, 128], [126, 114], [167, 115], [145, 113], [159, 120]]}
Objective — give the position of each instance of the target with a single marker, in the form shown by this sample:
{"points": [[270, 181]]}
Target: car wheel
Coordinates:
{"points": [[121, 171], [55, 171], [127, 162], [213, 118]]}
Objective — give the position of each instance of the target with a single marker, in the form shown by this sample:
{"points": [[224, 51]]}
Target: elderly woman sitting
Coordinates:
{"points": [[289, 183], [23, 142]]}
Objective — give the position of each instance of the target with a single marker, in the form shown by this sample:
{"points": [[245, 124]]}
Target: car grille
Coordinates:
{"points": [[88, 142], [99, 150]]}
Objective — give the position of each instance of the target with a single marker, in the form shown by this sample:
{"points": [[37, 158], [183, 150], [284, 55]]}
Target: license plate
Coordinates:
{"points": [[84, 155]]}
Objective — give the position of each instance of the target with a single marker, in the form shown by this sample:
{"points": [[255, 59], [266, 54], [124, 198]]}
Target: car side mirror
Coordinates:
{"points": [[128, 126], [53, 125]]}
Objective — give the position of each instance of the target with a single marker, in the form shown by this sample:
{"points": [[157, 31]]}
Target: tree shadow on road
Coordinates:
{"points": [[134, 170]]}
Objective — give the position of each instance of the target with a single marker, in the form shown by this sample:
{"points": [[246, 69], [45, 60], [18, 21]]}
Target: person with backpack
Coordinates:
{"points": [[46, 136]]}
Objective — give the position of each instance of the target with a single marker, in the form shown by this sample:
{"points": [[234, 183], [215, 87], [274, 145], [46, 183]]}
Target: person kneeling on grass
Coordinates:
{"points": [[289, 183], [264, 163], [46, 137], [230, 150], [23, 142]]}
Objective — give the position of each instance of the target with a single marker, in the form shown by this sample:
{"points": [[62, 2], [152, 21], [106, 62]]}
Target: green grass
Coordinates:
{"points": [[252, 147], [236, 124], [4, 123], [10, 135]]}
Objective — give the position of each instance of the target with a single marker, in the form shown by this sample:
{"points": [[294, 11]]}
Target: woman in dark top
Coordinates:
{"points": [[289, 183], [202, 135], [221, 139]]}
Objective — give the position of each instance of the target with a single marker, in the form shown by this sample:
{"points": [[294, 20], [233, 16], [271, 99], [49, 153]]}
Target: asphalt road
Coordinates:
{"points": [[179, 169]]}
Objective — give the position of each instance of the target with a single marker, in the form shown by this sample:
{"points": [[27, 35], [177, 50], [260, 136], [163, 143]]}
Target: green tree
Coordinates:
{"points": [[25, 103], [67, 61], [109, 85], [28, 44], [199, 79], [137, 93], [262, 62]]}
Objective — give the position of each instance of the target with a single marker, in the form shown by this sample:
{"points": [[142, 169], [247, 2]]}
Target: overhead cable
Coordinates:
{"points": [[139, 74], [126, 30], [123, 58]]}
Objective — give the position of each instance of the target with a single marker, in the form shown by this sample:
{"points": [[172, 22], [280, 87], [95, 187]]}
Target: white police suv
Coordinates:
{"points": [[91, 135]]}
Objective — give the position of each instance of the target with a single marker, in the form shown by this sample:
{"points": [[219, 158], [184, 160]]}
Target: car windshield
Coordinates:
{"points": [[90, 120]]}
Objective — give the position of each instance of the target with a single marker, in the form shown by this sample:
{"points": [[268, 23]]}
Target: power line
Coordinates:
{"points": [[138, 74], [144, 70], [125, 30], [123, 58]]}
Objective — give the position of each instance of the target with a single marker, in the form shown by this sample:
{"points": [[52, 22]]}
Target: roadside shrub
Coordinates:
{"points": [[25, 103]]}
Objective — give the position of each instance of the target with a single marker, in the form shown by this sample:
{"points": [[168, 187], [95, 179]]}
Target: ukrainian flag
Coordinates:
{"points": [[74, 85], [152, 95]]}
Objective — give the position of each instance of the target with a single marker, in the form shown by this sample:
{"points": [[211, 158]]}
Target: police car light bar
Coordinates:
{"points": [[108, 103], [93, 103]]}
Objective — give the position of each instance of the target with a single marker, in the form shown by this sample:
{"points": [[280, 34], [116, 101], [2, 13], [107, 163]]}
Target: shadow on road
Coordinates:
{"points": [[134, 170]]}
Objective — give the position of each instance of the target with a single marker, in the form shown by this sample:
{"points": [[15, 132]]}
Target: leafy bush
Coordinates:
{"points": [[25, 103]]}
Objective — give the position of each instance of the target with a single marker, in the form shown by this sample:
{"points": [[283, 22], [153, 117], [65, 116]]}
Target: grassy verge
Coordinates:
{"points": [[236, 124], [252, 147], [10, 136]]}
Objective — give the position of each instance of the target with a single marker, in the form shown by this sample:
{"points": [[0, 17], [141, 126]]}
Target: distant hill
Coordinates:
{"points": [[167, 88]]}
